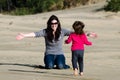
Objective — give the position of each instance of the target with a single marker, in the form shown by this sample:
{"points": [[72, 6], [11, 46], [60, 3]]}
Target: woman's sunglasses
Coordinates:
{"points": [[54, 23]]}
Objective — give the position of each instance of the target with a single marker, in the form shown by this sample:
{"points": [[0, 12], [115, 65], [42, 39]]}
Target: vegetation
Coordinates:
{"points": [[24, 7], [113, 5]]}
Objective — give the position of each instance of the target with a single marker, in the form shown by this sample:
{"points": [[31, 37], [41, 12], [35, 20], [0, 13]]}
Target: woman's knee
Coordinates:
{"points": [[49, 61], [49, 66], [60, 66]]}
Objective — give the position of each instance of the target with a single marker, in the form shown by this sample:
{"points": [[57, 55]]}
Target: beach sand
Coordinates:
{"points": [[19, 59]]}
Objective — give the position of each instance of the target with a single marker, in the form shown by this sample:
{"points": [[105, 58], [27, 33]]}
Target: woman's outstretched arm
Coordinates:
{"points": [[20, 36]]}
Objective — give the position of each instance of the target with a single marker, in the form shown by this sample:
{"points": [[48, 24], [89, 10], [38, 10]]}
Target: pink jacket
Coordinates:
{"points": [[78, 41]]}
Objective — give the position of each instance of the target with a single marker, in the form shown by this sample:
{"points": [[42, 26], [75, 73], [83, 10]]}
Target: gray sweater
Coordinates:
{"points": [[54, 48]]}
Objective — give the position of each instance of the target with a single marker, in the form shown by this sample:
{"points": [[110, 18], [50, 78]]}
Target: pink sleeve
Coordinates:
{"points": [[86, 40], [69, 39]]}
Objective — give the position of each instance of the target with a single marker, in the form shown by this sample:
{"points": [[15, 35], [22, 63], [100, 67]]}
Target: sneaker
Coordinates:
{"points": [[66, 67]]}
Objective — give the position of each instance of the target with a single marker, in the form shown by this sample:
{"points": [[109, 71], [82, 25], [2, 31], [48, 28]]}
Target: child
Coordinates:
{"points": [[78, 39]]}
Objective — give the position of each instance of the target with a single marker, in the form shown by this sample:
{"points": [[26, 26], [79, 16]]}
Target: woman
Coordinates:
{"points": [[53, 35]]}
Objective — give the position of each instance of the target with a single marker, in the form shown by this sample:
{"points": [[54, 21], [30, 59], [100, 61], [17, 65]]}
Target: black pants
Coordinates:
{"points": [[77, 57]]}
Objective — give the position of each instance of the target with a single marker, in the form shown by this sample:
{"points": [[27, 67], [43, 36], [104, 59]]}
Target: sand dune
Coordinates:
{"points": [[19, 59]]}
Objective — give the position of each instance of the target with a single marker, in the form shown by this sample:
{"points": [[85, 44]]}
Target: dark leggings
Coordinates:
{"points": [[77, 57], [51, 60]]}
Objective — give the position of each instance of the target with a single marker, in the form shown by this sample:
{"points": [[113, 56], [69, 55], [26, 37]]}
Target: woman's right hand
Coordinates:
{"points": [[20, 36]]}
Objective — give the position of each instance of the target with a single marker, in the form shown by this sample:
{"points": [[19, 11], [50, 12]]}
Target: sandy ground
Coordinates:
{"points": [[18, 59]]}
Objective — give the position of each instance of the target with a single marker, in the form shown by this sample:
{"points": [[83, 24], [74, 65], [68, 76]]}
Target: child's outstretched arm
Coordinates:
{"points": [[20, 36], [91, 34]]}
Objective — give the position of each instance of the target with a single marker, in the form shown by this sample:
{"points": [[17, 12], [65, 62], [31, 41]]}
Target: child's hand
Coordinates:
{"points": [[65, 42], [92, 35], [20, 36]]}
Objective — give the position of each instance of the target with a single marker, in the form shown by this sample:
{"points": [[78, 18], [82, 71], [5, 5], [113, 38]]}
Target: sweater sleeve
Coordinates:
{"points": [[66, 32], [86, 40], [69, 39], [40, 33]]}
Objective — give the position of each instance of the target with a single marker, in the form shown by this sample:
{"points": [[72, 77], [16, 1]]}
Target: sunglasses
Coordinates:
{"points": [[54, 23]]}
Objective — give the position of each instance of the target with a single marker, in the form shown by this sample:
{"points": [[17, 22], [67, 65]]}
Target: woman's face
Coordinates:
{"points": [[54, 25]]}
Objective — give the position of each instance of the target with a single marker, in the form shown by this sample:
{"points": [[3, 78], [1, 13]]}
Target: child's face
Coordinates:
{"points": [[54, 24]]}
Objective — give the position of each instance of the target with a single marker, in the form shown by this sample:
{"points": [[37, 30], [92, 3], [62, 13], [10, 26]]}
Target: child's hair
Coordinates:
{"points": [[78, 27]]}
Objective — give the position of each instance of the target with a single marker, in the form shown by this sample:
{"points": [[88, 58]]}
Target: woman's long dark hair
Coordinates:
{"points": [[49, 30], [78, 27]]}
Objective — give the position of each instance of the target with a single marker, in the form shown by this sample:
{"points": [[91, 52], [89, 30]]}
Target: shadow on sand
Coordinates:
{"points": [[46, 72], [27, 65], [33, 66]]}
